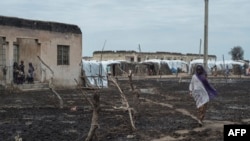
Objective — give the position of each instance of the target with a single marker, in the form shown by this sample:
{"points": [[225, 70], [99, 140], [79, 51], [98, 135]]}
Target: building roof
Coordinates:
{"points": [[39, 25]]}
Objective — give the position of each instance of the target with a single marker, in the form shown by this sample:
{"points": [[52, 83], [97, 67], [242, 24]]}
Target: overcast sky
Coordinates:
{"points": [[157, 25]]}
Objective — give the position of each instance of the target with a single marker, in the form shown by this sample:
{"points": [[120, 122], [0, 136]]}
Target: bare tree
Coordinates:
{"points": [[237, 53], [95, 104], [132, 110], [125, 101], [51, 84]]}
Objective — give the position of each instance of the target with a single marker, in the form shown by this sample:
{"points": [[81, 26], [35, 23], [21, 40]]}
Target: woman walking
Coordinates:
{"points": [[201, 91]]}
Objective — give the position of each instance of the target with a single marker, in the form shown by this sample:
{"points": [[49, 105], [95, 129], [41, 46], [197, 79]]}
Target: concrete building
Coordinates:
{"points": [[54, 49], [133, 56]]}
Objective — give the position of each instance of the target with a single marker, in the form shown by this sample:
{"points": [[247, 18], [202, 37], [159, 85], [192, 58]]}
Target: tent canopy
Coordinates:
{"points": [[221, 65], [96, 72], [173, 65]]}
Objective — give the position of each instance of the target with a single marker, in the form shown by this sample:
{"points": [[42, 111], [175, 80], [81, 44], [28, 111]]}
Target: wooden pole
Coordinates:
{"points": [[206, 36], [200, 49]]}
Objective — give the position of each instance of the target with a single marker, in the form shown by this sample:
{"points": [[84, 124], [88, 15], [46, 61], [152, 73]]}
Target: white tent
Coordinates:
{"points": [[221, 65], [172, 64], [192, 64], [96, 72], [175, 64]]}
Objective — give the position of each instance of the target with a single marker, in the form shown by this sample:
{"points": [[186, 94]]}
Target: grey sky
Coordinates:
{"points": [[157, 25]]}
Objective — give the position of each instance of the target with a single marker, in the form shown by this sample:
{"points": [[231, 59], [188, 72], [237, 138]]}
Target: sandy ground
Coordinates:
{"points": [[166, 112]]}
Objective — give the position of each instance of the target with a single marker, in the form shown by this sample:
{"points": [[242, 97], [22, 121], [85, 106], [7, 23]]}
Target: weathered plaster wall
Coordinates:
{"points": [[44, 43]]}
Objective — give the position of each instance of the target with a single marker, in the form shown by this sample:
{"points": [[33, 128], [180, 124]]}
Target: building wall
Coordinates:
{"points": [[43, 43]]}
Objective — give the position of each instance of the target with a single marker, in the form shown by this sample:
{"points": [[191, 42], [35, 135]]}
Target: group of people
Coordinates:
{"points": [[19, 73]]}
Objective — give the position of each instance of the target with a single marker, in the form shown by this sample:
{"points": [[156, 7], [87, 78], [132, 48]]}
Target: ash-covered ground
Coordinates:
{"points": [[166, 112]]}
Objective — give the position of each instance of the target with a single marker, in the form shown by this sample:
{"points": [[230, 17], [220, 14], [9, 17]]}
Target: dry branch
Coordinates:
{"points": [[51, 85], [126, 103], [95, 104], [95, 117], [84, 95], [58, 96], [136, 93]]}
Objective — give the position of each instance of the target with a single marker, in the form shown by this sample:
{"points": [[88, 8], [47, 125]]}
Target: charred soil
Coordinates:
{"points": [[165, 113]]}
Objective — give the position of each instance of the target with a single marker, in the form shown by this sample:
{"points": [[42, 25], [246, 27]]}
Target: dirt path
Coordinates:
{"points": [[207, 124]]}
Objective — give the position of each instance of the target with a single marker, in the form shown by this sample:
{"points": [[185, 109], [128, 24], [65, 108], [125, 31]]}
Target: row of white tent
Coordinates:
{"points": [[220, 65], [172, 64], [96, 71]]}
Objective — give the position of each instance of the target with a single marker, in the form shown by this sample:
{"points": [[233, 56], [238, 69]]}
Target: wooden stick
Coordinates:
{"points": [[126, 102]]}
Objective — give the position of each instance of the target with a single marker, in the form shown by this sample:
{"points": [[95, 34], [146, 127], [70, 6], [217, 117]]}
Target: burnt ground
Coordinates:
{"points": [[166, 113]]}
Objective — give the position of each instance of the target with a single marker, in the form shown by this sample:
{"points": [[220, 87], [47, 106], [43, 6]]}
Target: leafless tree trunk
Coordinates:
{"points": [[135, 92], [95, 117], [124, 99], [95, 104]]}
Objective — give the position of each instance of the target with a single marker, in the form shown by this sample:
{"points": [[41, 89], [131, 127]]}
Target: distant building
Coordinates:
{"points": [[133, 56], [55, 49]]}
